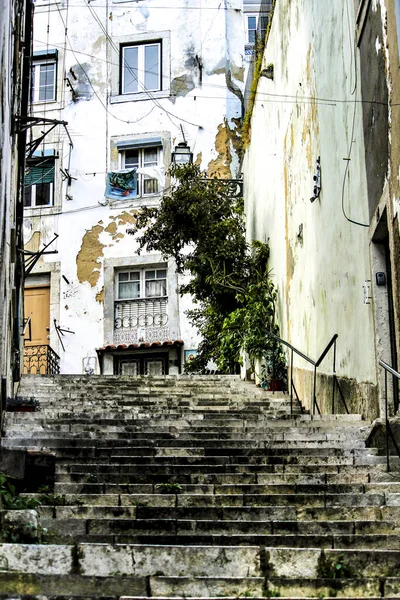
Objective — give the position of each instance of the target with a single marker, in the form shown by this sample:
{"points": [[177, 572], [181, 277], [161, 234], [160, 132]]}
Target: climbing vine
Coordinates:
{"points": [[259, 54]]}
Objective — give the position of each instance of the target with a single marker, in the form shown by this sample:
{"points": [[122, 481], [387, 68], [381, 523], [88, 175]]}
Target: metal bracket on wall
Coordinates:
{"points": [[60, 332], [232, 186], [33, 257], [25, 123]]}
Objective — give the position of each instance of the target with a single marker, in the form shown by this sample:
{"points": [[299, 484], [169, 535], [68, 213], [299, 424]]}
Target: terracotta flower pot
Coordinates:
{"points": [[275, 385]]}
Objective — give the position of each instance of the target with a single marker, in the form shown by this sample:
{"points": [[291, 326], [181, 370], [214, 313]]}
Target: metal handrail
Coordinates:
{"points": [[388, 429], [325, 352], [316, 364]]}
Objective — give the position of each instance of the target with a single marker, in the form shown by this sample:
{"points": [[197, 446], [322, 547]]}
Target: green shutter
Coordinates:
{"points": [[42, 172]]}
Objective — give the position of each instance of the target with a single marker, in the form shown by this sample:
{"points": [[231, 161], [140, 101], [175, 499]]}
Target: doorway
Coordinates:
{"points": [[37, 334], [385, 330], [141, 364]]}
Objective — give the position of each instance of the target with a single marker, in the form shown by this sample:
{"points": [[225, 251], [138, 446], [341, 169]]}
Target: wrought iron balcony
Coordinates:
{"points": [[141, 320], [41, 360]]}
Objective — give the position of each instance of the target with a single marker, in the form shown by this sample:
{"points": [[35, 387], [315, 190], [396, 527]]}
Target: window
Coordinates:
{"points": [[397, 8], [149, 283], [251, 30], [39, 183], [143, 158], [141, 305], [256, 26], [43, 81], [141, 68]]}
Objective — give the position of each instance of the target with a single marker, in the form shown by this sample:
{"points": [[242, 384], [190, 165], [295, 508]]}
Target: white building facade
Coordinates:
{"points": [[132, 80]]}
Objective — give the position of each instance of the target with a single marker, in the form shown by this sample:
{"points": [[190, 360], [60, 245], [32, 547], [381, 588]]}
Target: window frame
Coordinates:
{"points": [[147, 38], [33, 187], [142, 282], [37, 63], [249, 16], [141, 67]]}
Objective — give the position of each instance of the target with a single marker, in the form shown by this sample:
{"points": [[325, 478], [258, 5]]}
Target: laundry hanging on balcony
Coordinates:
{"points": [[121, 185]]}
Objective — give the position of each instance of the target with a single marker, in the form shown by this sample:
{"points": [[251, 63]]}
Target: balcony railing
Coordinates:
{"points": [[141, 320], [41, 360]]}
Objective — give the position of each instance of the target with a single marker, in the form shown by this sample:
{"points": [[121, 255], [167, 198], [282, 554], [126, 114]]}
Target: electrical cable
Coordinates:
{"points": [[261, 96], [92, 87], [150, 96], [123, 6], [348, 158]]}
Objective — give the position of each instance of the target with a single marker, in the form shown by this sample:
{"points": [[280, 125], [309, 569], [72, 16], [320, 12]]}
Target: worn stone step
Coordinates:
{"points": [[72, 586], [168, 532], [184, 587], [204, 440], [90, 455], [191, 423], [276, 488], [271, 480], [261, 492], [261, 598]]}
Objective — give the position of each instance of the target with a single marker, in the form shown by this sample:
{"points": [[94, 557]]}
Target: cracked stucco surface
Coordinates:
{"points": [[89, 258]]}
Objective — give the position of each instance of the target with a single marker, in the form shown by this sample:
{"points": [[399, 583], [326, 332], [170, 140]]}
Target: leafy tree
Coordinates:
{"points": [[202, 227]]}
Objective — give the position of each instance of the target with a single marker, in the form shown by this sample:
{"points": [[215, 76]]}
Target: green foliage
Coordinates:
{"points": [[334, 567], [10, 499], [201, 226], [19, 403], [271, 593], [53, 499], [168, 488]]}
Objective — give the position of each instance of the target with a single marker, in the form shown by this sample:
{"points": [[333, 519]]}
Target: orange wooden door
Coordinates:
{"points": [[37, 307]]}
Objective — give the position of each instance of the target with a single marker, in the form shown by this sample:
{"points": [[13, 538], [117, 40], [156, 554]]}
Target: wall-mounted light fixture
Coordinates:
{"points": [[380, 278], [182, 155], [317, 181]]}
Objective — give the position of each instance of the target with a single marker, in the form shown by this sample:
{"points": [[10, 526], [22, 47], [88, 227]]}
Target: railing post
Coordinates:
{"points": [[334, 378], [387, 425], [291, 381], [314, 389]]}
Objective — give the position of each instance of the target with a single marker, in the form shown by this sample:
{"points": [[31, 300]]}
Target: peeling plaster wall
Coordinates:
{"points": [[319, 259], [202, 44]]}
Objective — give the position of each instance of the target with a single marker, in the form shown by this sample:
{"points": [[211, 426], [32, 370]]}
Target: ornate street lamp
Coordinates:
{"points": [[182, 154]]}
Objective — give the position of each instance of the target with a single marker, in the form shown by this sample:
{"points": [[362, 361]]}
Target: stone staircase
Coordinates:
{"points": [[200, 487]]}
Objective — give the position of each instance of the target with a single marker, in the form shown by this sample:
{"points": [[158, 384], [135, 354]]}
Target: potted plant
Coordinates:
{"points": [[274, 367], [19, 404]]}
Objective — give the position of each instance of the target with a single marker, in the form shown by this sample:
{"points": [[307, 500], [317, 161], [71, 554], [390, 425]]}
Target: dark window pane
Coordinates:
{"points": [[43, 194], [131, 158], [28, 196]]}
